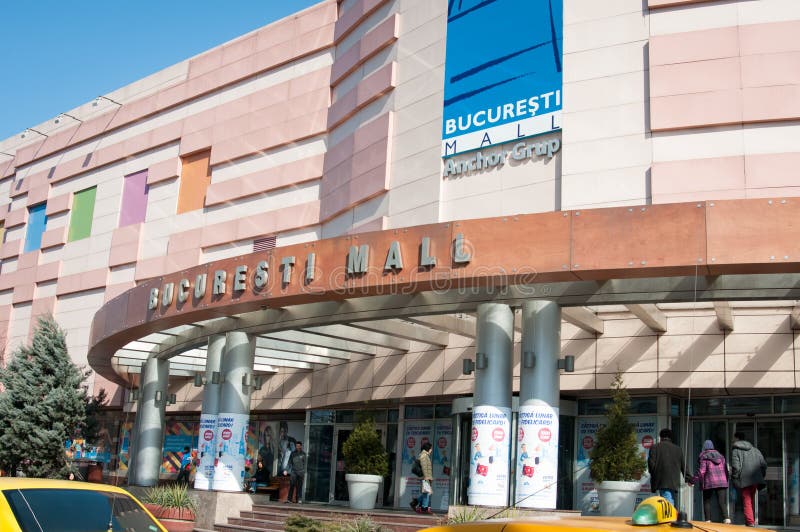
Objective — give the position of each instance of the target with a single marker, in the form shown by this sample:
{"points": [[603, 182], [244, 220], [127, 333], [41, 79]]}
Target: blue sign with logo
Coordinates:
{"points": [[502, 73]]}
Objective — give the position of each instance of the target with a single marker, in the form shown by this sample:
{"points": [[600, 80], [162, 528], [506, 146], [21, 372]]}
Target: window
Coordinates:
{"points": [[37, 222], [76, 510], [134, 199], [2, 232], [195, 178], [80, 220]]}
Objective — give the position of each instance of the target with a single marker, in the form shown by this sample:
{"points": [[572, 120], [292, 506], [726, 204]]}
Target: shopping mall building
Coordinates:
{"points": [[463, 218]]}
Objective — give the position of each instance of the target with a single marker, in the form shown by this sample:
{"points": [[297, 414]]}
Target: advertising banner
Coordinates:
{"points": [[416, 433], [489, 456], [231, 451], [204, 477], [440, 459], [537, 456], [502, 72], [586, 433]]}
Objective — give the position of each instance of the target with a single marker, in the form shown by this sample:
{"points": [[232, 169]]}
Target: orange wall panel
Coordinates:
{"points": [[195, 178]]}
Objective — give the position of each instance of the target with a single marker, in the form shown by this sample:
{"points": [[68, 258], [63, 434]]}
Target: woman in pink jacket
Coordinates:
{"points": [[712, 474]]}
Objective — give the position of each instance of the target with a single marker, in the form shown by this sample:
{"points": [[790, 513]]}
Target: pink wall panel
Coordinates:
{"points": [[721, 173], [54, 237], [278, 220], [123, 254], [764, 104], [368, 90], [37, 194], [185, 240], [48, 271], [352, 17], [7, 167], [371, 43], [764, 70], [697, 76], [16, 217], [265, 180], [696, 110], [769, 38], [772, 170], [23, 293], [163, 171], [728, 75], [58, 204], [11, 249]]}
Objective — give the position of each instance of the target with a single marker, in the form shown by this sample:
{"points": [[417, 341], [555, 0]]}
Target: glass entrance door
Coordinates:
{"points": [[768, 437], [769, 440], [792, 476], [340, 493]]}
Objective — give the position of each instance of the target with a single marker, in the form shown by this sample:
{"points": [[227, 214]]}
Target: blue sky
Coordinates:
{"points": [[59, 54]]}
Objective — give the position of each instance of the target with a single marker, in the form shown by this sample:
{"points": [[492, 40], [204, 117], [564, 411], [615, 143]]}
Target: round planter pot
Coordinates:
{"points": [[617, 498], [363, 490]]}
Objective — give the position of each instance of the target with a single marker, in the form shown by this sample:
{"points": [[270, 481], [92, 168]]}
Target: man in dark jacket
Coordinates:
{"points": [[748, 469], [665, 463], [297, 468]]}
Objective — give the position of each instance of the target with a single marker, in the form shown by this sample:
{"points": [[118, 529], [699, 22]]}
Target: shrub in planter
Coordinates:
{"points": [[363, 451], [366, 463], [171, 503], [615, 457]]}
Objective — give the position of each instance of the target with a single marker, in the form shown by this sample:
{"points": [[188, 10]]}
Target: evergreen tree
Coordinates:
{"points": [[616, 454], [41, 405]]}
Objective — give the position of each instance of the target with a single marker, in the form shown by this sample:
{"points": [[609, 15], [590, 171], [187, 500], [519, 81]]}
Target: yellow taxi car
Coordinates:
{"points": [[43, 505], [654, 514]]}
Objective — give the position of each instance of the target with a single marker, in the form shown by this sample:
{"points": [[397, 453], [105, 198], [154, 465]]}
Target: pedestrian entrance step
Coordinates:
{"points": [[272, 517]]}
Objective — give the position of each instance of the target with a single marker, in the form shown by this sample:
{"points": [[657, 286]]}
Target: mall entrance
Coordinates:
{"points": [[779, 442], [327, 432]]}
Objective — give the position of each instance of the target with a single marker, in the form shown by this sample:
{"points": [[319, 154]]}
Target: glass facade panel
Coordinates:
{"points": [[419, 412], [787, 405], [320, 452], [718, 406], [597, 407], [442, 411], [322, 416]]}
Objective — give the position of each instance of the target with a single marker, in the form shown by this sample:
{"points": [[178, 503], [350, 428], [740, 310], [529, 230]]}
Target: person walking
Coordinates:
{"points": [[426, 484], [665, 463], [297, 469], [712, 475], [748, 470], [186, 467]]}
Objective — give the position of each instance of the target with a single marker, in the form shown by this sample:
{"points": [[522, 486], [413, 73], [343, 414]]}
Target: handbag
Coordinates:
{"points": [[426, 487]]}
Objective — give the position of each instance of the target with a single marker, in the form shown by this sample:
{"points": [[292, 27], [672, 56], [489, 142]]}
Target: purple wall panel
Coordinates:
{"points": [[134, 199]]}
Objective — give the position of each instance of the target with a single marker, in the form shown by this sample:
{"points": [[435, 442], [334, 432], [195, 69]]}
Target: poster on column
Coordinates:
{"points": [[416, 433], [231, 451], [489, 456], [440, 460], [204, 478], [537, 456], [587, 428]]}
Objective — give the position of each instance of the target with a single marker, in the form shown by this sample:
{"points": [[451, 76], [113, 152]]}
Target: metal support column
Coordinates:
{"points": [[150, 422], [491, 415], [537, 452], [208, 417], [234, 411]]}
